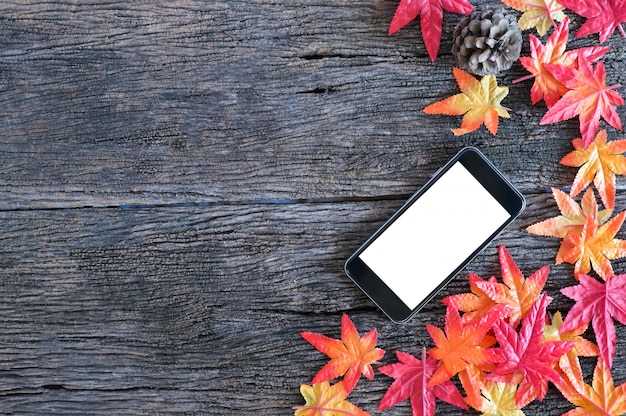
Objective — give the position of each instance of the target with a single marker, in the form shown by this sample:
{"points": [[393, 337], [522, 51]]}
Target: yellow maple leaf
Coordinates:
{"points": [[568, 364], [479, 101], [599, 399], [573, 216], [540, 14], [594, 247], [322, 399], [499, 399], [598, 163]]}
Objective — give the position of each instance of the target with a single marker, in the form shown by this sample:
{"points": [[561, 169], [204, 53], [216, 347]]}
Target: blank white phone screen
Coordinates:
{"points": [[434, 235]]}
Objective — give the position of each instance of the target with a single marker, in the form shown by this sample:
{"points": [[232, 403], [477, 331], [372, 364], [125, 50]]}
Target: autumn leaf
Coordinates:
{"points": [[475, 304], [545, 86], [351, 356], [517, 294], [431, 18], [603, 16], [540, 14], [568, 363], [600, 399], [473, 379], [325, 400], [597, 302], [411, 382], [528, 360], [479, 101], [588, 97], [573, 216], [593, 247], [599, 162], [462, 345], [499, 400]]}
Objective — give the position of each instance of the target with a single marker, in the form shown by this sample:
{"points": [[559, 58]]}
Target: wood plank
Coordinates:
{"points": [[198, 309], [226, 158], [111, 104]]}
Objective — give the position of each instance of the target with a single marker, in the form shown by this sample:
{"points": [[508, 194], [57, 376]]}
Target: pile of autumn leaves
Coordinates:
{"points": [[499, 339], [501, 344]]}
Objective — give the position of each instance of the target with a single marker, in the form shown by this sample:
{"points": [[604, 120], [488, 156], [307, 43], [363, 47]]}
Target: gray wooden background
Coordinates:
{"points": [[181, 182]]}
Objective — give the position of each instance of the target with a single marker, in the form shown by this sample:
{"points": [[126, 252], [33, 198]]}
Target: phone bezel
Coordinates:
{"points": [[491, 179]]}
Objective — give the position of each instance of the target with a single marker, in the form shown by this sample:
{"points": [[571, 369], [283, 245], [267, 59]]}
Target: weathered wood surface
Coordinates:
{"points": [[182, 181]]}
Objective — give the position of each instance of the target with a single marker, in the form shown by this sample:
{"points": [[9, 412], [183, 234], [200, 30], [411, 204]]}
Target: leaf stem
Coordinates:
{"points": [[527, 77]]}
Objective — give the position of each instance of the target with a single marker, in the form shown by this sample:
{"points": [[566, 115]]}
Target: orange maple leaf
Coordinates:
{"points": [[601, 398], [462, 345], [517, 294], [351, 356], [322, 399], [588, 97], [599, 162], [479, 101], [573, 215], [568, 363], [475, 304], [473, 380], [540, 14], [593, 247]]}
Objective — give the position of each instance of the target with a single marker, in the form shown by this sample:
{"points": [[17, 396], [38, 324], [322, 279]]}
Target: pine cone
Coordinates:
{"points": [[487, 41]]}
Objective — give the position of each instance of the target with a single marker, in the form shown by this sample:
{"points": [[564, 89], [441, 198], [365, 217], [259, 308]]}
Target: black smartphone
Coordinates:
{"points": [[466, 204]]}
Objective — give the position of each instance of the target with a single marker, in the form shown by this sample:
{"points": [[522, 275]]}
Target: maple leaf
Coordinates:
{"points": [[528, 360], [597, 302], [325, 400], [431, 18], [600, 399], [540, 14], [411, 381], [473, 379], [568, 363], [479, 101], [351, 356], [588, 97], [499, 400], [593, 247], [462, 345], [599, 162], [573, 215], [545, 86], [517, 294], [475, 304], [603, 16]]}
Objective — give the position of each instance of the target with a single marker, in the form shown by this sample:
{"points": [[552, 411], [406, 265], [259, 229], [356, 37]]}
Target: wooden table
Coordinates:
{"points": [[183, 180]]}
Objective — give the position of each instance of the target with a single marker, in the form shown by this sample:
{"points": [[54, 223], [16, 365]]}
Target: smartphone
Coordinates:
{"points": [[464, 206]]}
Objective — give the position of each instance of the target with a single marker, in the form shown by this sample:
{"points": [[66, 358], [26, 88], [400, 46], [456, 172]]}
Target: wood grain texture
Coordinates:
{"points": [[159, 311], [109, 103], [183, 180]]}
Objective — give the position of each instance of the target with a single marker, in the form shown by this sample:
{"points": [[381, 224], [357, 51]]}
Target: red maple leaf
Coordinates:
{"points": [[463, 345], [603, 16], [546, 87], [517, 293], [411, 381], [598, 302], [431, 18], [528, 361], [588, 97], [351, 356]]}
